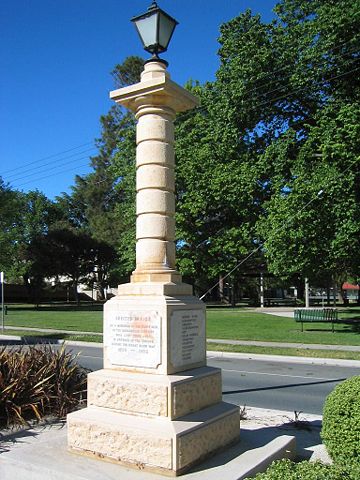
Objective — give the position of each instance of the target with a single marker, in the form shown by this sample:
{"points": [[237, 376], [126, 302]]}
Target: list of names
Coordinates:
{"points": [[187, 337]]}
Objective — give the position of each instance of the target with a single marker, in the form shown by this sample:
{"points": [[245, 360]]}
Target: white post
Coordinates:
{"points": [[261, 290], [335, 294], [307, 299]]}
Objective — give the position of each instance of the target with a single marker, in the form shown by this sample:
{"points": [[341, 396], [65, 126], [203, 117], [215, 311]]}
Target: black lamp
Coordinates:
{"points": [[155, 28]]}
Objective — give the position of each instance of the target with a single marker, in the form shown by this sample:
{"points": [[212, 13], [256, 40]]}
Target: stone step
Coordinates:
{"points": [[156, 444]]}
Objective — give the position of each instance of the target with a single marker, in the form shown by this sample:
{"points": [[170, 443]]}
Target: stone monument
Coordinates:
{"points": [[155, 405]]}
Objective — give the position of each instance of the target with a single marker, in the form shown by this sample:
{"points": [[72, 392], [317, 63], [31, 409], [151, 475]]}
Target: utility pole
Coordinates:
{"points": [[2, 302]]}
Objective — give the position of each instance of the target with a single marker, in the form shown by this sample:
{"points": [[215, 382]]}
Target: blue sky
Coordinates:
{"points": [[56, 58]]}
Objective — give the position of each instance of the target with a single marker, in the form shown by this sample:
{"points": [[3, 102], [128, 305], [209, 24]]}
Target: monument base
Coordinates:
{"points": [[151, 395], [155, 444], [155, 405]]}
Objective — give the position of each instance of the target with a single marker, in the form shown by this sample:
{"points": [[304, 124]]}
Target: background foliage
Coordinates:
{"points": [[269, 163]]}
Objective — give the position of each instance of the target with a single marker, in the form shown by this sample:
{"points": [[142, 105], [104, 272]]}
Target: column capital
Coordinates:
{"points": [[157, 89]]}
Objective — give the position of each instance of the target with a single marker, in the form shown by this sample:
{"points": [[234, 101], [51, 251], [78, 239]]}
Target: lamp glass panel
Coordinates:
{"points": [[166, 28], [147, 30]]}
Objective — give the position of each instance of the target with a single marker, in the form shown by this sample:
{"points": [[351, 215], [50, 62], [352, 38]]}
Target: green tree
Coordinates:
{"points": [[256, 143], [95, 204], [10, 208], [312, 225], [23, 216], [71, 256], [306, 232]]}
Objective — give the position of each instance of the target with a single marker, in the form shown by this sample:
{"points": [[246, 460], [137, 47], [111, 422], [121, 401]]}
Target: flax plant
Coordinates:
{"points": [[37, 381]]}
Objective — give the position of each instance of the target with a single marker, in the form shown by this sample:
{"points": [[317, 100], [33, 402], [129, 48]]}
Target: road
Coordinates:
{"points": [[264, 384]]}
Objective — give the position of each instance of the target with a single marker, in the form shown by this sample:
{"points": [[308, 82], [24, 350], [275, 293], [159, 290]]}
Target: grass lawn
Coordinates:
{"points": [[238, 325], [234, 324], [62, 317]]}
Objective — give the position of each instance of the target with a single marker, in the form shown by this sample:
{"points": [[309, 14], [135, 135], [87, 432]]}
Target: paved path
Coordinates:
{"points": [[41, 453], [301, 346]]}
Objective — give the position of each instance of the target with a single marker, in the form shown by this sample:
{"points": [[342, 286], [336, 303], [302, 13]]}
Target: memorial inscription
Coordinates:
{"points": [[187, 337], [133, 338]]}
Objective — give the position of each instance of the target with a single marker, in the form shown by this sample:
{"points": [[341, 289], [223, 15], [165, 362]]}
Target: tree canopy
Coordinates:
{"points": [[268, 167]]}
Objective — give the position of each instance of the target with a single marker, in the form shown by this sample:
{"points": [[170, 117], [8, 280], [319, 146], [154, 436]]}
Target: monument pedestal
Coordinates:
{"points": [[155, 405], [132, 419]]}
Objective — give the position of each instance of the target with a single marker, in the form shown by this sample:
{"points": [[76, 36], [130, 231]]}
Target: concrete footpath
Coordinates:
{"points": [[41, 453], [300, 346]]}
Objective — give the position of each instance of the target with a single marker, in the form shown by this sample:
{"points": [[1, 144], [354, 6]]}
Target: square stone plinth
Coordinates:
{"points": [[170, 396], [157, 443], [154, 328]]}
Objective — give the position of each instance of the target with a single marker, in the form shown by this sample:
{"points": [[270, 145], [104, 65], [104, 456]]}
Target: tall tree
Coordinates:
{"points": [[10, 208], [95, 203], [24, 216], [73, 255], [261, 132]]}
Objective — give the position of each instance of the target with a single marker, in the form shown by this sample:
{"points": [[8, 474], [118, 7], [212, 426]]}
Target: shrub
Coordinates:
{"points": [[38, 381], [341, 422], [287, 470]]}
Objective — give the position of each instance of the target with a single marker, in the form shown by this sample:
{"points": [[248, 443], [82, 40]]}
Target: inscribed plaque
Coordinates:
{"points": [[187, 337], [133, 338]]}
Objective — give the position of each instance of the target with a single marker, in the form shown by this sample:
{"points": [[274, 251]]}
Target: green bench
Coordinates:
{"points": [[316, 315]]}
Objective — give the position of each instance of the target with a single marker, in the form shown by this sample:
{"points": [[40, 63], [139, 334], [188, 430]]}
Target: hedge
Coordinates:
{"points": [[341, 422], [287, 470]]}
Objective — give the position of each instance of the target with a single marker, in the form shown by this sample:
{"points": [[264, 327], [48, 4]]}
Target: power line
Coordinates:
{"points": [[51, 175], [202, 110], [46, 158], [48, 170], [57, 161], [285, 67], [284, 86], [305, 88]]}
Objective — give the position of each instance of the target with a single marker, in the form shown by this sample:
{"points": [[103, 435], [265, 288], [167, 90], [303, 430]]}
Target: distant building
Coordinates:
{"points": [[351, 291]]}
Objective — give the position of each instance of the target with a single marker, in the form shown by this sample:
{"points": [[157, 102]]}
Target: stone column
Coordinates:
{"points": [[155, 405], [155, 185]]}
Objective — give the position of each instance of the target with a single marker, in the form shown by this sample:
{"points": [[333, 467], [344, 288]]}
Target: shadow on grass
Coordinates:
{"points": [[348, 327], [91, 307], [49, 338], [351, 327], [32, 340]]}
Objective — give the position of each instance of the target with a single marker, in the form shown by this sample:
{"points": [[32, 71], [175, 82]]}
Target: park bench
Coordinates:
{"points": [[316, 315]]}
